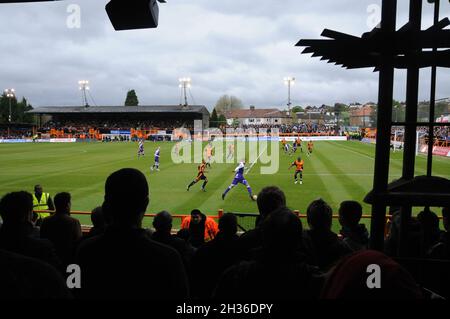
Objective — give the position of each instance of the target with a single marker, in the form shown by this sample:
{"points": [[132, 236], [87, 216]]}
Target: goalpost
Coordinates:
{"points": [[421, 142]]}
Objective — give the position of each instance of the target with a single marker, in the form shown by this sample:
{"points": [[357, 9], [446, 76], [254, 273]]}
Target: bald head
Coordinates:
{"points": [[126, 195]]}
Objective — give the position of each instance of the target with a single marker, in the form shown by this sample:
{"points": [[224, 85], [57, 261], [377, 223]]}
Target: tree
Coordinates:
{"points": [[228, 103], [340, 107], [297, 109], [398, 111], [132, 99], [222, 120], [18, 110], [213, 120]]}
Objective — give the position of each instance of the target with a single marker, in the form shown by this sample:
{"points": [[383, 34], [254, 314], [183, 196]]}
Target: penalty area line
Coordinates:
{"points": [[254, 162]]}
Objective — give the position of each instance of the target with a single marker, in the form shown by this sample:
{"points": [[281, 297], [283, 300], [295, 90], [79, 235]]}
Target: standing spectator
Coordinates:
{"points": [[124, 262], [214, 257], [442, 249], [16, 210], [348, 279], [269, 199], [163, 228], [430, 228], [201, 228], [324, 245], [41, 201], [354, 234], [280, 272], [62, 229], [24, 278]]}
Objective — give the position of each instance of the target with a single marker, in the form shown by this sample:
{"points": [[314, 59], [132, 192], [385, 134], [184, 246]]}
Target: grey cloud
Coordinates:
{"points": [[239, 47]]}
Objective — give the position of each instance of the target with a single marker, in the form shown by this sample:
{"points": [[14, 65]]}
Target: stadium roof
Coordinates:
{"points": [[120, 109]]}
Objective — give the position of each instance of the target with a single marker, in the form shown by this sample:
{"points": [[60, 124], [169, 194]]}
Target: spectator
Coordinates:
{"points": [[24, 278], [280, 272], [214, 257], [201, 228], [124, 262], [163, 228], [442, 249], [354, 235], [269, 199], [99, 222], [16, 210], [41, 201], [324, 245], [430, 228], [414, 238], [62, 229], [349, 278]]}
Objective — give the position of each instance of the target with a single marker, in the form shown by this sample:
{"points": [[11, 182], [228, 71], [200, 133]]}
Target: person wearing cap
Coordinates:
{"points": [[42, 201], [201, 228]]}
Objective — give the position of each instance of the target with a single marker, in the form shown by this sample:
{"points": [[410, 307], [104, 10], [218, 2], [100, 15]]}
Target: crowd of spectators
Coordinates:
{"points": [[105, 126], [303, 128], [280, 259]]}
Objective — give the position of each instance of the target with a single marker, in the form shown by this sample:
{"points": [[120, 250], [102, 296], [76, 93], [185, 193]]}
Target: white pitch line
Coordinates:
{"points": [[248, 170]]}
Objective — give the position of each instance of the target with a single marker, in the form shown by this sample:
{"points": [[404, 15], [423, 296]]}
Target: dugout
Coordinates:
{"points": [[129, 115]]}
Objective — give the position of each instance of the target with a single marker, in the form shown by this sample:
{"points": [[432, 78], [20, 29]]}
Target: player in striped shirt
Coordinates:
{"points": [[156, 165], [141, 148]]}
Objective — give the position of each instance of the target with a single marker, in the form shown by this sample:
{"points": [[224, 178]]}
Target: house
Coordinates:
{"points": [[361, 116], [257, 117]]}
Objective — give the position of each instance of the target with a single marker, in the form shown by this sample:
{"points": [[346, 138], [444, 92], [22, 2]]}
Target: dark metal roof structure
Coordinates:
{"points": [[387, 48], [121, 109], [366, 51]]}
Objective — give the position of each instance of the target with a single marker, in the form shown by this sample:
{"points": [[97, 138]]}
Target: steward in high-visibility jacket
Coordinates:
{"points": [[42, 201]]}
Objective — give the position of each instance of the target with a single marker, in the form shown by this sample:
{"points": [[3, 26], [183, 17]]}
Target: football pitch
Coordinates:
{"points": [[336, 171]]}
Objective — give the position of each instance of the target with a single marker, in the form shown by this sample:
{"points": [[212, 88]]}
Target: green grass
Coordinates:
{"points": [[336, 171]]}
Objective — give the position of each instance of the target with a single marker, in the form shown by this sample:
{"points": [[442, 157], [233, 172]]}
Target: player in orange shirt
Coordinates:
{"points": [[209, 151], [299, 143], [298, 163], [310, 147], [200, 176]]}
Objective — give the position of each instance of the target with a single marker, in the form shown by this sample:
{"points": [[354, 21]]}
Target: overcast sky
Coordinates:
{"points": [[238, 47]]}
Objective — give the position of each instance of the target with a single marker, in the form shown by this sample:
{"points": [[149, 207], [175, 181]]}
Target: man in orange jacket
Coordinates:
{"points": [[201, 228]]}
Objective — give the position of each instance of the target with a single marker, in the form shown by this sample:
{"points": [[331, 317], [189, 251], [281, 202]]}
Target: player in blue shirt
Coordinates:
{"points": [[239, 178], [156, 165]]}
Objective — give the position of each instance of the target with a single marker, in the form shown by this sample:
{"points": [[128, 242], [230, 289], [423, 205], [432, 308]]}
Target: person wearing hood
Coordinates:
{"points": [[201, 228], [354, 234]]}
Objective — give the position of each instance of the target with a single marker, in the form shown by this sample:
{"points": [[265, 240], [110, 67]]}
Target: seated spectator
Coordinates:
{"points": [[62, 229], [349, 278], [280, 272], [323, 245], [442, 249], [124, 262], [269, 199], [430, 228], [163, 228], [201, 228], [16, 210], [24, 278], [354, 234], [214, 257]]}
